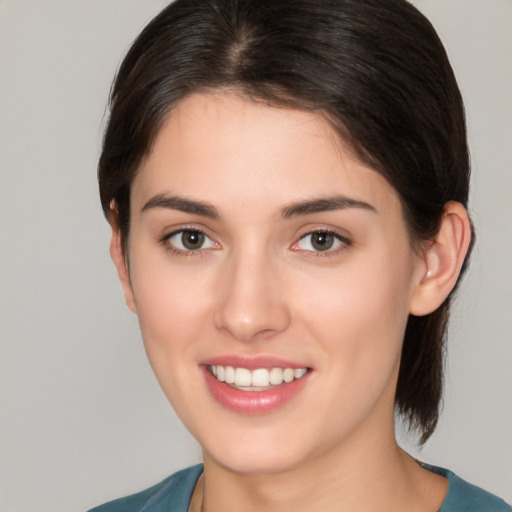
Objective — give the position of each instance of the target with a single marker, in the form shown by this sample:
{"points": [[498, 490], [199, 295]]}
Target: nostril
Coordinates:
{"points": [[260, 324]]}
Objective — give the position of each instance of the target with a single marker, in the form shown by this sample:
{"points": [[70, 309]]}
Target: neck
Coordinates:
{"points": [[381, 477]]}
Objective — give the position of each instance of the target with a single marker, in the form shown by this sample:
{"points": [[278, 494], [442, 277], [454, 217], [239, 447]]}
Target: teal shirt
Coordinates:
{"points": [[174, 493]]}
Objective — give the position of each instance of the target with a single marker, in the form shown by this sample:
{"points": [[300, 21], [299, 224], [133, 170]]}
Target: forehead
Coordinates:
{"points": [[221, 146]]}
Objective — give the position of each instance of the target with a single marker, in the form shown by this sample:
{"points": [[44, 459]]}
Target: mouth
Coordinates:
{"points": [[260, 379], [254, 386]]}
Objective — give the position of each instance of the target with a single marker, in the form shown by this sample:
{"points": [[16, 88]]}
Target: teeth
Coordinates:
{"points": [[260, 378], [288, 375], [243, 377], [300, 372], [230, 375], [276, 376]]}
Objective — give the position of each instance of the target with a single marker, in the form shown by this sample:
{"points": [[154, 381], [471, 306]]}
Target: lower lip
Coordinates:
{"points": [[253, 402]]}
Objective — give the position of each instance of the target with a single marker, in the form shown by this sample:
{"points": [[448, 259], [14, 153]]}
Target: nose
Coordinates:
{"points": [[250, 302]]}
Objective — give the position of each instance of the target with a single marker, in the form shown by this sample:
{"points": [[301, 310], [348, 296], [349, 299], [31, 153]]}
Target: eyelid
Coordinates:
{"points": [[344, 242], [165, 241]]}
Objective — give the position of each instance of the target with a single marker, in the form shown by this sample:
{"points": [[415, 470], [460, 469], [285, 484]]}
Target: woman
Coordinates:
{"points": [[287, 185]]}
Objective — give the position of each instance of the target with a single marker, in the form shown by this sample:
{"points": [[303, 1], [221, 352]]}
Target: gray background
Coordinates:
{"points": [[82, 419]]}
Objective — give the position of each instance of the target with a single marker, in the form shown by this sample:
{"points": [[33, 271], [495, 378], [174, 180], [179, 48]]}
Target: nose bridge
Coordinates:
{"points": [[250, 303]]}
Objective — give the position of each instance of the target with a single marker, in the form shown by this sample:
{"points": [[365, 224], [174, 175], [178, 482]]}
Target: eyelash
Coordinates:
{"points": [[343, 243], [165, 241]]}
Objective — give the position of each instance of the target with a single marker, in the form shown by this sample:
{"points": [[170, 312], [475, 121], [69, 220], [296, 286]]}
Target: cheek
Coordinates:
{"points": [[167, 294], [360, 314], [173, 311], [167, 308], [366, 298]]}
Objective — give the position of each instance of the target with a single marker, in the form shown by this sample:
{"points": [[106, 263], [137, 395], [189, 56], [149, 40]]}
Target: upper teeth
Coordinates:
{"points": [[260, 378]]}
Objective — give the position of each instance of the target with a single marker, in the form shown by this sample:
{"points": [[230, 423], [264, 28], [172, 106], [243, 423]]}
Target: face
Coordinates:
{"points": [[261, 251]]}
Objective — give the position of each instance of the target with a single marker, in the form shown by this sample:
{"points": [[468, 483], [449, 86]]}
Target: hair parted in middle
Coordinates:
{"points": [[375, 69]]}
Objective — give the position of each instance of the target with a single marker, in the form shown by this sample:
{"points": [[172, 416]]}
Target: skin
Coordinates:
{"points": [[258, 287]]}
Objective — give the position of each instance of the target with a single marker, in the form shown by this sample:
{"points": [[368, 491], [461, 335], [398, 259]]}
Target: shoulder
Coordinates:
{"points": [[170, 495], [465, 497]]}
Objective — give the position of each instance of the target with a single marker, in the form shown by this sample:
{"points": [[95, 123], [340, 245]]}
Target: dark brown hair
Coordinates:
{"points": [[376, 69]]}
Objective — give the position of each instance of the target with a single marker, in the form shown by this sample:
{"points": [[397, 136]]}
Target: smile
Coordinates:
{"points": [[260, 379], [254, 386]]}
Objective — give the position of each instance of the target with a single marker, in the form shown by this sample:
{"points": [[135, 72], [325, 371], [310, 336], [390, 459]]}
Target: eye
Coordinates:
{"points": [[189, 240], [321, 241]]}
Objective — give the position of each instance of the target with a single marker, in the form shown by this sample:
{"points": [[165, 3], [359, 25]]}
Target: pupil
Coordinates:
{"points": [[192, 240], [322, 241]]}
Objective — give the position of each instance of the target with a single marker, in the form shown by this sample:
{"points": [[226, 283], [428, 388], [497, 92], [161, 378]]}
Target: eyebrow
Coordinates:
{"points": [[182, 204], [324, 204]]}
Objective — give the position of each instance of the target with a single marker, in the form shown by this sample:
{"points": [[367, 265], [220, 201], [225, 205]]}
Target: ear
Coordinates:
{"points": [[442, 260], [119, 258]]}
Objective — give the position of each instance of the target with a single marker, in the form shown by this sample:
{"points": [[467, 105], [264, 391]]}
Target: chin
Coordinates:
{"points": [[256, 462], [258, 451]]}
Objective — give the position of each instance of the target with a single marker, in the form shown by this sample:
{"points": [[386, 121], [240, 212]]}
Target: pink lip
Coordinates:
{"points": [[252, 362], [252, 402]]}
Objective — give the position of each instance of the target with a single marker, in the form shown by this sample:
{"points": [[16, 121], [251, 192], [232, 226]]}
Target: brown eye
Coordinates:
{"points": [[321, 241], [192, 240], [187, 240]]}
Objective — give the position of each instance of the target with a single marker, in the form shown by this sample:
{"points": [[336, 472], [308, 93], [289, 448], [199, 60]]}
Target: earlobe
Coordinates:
{"points": [[119, 259], [443, 259]]}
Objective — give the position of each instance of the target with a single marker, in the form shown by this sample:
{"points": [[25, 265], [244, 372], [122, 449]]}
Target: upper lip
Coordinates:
{"points": [[252, 362]]}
